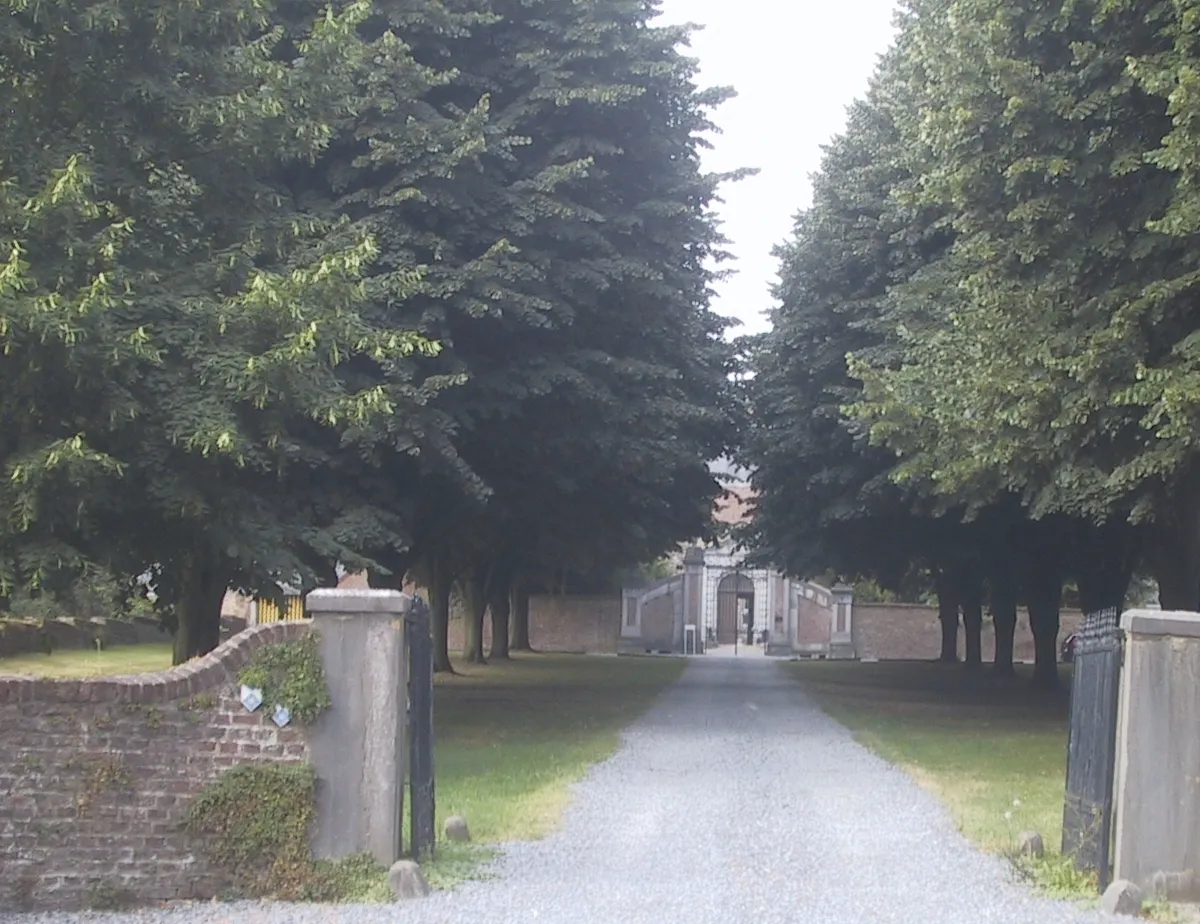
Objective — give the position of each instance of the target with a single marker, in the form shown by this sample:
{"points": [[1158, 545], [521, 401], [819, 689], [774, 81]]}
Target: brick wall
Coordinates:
{"points": [[888, 631], [96, 776], [566, 624], [22, 636], [903, 631], [812, 623]]}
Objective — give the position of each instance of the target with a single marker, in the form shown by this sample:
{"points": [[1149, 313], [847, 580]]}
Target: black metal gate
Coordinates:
{"points": [[420, 730], [1092, 744]]}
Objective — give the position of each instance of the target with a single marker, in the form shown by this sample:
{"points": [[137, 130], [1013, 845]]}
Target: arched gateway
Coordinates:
{"points": [[716, 596], [735, 607]]}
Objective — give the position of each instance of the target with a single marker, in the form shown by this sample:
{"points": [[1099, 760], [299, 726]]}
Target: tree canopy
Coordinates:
{"points": [[387, 285], [983, 316]]}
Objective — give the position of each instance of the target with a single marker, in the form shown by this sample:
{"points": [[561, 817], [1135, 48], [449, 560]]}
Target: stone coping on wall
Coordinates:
{"points": [[899, 606], [1178, 623], [196, 676]]}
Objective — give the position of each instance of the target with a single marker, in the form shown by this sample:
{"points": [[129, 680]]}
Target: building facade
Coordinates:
{"points": [[717, 600]]}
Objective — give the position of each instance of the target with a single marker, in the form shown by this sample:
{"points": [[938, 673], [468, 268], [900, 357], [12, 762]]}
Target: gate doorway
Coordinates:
{"points": [[735, 607]]}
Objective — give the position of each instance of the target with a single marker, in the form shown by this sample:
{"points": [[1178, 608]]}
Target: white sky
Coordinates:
{"points": [[796, 65]]}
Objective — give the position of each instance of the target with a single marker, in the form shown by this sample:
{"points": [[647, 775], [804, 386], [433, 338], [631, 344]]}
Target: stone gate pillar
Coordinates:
{"points": [[693, 593], [1157, 789], [358, 743], [781, 639], [841, 638]]}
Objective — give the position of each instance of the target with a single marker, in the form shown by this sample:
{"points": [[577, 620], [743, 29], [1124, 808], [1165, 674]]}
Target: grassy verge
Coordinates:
{"points": [[74, 664], [992, 749], [512, 737]]}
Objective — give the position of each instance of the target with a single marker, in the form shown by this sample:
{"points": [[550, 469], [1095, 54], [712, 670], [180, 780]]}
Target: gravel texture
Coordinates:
{"points": [[733, 800]]}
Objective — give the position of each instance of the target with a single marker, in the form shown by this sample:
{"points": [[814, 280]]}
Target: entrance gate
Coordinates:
{"points": [[735, 607]]}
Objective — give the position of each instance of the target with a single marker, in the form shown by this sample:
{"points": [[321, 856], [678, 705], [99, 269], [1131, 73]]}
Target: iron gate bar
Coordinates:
{"points": [[1092, 744], [420, 727]]}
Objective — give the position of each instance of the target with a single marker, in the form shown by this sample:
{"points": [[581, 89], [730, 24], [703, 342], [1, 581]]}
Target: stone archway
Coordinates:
{"points": [[735, 604]]}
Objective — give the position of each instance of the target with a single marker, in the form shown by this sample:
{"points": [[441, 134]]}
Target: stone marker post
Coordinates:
{"points": [[693, 593], [358, 744], [1158, 755], [841, 636]]}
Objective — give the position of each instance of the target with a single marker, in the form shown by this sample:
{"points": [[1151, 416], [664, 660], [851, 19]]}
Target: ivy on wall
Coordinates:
{"points": [[255, 822], [290, 674]]}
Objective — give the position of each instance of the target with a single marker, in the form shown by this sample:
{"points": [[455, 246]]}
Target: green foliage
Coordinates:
{"points": [[623, 412], [93, 594], [255, 821], [358, 878], [175, 323], [382, 284], [1018, 342], [1058, 876], [1035, 356], [290, 674], [988, 311], [646, 573]]}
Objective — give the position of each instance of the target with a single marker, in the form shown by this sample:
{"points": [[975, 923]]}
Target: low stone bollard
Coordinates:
{"points": [[407, 880], [1030, 844], [455, 829], [1122, 897]]}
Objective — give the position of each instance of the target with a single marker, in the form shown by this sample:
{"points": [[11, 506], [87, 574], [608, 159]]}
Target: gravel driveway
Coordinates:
{"points": [[733, 801]]}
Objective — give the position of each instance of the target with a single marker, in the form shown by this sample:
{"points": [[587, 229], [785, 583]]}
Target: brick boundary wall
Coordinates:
{"points": [[911, 631], [558, 624], [96, 776], [27, 636], [887, 631]]}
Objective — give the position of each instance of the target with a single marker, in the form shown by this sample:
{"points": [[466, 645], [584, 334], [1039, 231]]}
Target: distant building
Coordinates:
{"points": [[717, 599]]}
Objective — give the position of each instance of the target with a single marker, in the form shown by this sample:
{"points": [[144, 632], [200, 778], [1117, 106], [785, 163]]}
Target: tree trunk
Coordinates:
{"points": [[1106, 569], [500, 607], [202, 588], [1045, 600], [1175, 563], [474, 595], [947, 616], [1004, 587], [1175, 547], [1004, 619], [520, 618], [439, 606], [1178, 585], [971, 596]]}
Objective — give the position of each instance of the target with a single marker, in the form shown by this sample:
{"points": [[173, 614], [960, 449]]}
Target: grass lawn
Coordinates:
{"points": [[512, 737], [72, 664], [992, 749]]}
